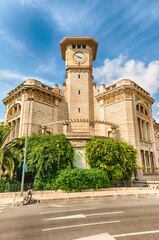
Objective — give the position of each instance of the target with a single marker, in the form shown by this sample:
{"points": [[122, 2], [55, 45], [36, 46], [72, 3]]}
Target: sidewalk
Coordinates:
{"points": [[14, 198]]}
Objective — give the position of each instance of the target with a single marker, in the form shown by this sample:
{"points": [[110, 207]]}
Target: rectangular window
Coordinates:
{"points": [[78, 75], [79, 46], [73, 46], [137, 107], [79, 92], [141, 109], [79, 110], [84, 46]]}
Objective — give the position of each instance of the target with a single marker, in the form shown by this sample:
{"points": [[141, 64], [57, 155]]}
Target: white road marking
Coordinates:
{"points": [[71, 210], [103, 236], [96, 214], [80, 225], [81, 216], [135, 233], [0, 211], [1, 208], [51, 205], [66, 217]]}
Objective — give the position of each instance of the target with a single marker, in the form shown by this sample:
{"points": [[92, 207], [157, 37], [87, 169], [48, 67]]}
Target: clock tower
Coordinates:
{"points": [[79, 54]]}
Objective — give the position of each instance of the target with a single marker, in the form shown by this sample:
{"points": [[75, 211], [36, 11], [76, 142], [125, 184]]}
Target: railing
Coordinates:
{"points": [[13, 187]]}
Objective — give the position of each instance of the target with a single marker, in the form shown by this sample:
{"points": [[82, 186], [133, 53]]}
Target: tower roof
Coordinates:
{"points": [[74, 39]]}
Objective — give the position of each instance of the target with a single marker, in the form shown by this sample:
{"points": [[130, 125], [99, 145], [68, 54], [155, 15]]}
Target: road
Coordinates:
{"points": [[82, 219]]}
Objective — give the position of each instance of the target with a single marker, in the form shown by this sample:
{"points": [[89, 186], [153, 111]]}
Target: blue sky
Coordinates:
{"points": [[127, 32]]}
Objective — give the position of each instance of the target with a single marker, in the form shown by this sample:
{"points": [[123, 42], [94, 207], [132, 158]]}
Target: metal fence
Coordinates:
{"points": [[14, 187]]}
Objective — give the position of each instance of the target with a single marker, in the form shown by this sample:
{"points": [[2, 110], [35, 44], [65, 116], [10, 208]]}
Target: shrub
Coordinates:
{"points": [[80, 179], [112, 155]]}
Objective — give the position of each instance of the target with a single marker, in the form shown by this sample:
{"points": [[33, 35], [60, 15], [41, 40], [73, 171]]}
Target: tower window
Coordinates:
{"points": [[84, 46], [79, 92], [137, 107], [73, 46], [78, 75], [79, 46], [141, 109], [79, 110]]}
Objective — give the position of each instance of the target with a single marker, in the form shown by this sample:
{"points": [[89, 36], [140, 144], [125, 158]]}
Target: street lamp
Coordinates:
{"points": [[23, 172]]}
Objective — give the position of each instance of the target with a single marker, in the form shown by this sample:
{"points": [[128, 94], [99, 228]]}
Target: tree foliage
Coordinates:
{"points": [[47, 154], [8, 151], [115, 156]]}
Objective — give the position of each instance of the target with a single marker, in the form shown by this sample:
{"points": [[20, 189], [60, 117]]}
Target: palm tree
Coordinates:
{"points": [[7, 150]]}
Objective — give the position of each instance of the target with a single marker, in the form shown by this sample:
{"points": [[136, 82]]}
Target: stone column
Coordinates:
{"points": [[113, 132], [65, 128], [43, 129], [102, 117], [91, 125]]}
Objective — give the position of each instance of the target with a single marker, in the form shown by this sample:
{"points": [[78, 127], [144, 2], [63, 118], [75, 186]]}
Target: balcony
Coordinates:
{"points": [[14, 115]]}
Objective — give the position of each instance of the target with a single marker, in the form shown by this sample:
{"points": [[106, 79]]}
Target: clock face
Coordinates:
{"points": [[79, 56]]}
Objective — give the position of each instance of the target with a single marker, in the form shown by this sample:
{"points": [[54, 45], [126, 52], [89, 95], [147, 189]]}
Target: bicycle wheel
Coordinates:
{"points": [[26, 200]]}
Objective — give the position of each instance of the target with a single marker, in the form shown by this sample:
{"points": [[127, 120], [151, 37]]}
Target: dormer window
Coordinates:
{"points": [[78, 46], [73, 46], [84, 46]]}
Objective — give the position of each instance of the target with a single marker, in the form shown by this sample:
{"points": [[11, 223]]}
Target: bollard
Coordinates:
{"points": [[157, 193], [92, 195], [115, 194], [67, 197], [136, 194], [13, 200]]}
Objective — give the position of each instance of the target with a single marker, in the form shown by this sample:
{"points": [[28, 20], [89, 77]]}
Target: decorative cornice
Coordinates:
{"points": [[36, 86]]}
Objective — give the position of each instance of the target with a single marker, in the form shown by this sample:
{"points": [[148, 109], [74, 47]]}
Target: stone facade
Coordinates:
{"points": [[81, 111]]}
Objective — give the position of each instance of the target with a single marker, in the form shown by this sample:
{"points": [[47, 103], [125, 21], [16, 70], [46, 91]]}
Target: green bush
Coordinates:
{"points": [[80, 179], [112, 155]]}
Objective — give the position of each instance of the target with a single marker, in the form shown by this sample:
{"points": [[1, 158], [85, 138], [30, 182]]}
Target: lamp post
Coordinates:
{"points": [[23, 172]]}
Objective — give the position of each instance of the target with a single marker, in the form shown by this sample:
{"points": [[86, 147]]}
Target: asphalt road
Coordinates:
{"points": [[99, 219]]}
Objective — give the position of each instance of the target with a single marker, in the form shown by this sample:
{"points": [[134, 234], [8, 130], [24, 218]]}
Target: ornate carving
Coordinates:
{"points": [[128, 95]]}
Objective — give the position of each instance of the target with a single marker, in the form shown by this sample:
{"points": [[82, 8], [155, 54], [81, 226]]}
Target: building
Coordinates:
{"points": [[81, 111]]}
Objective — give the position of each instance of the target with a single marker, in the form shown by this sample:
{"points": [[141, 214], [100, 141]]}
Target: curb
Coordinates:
{"points": [[14, 198]]}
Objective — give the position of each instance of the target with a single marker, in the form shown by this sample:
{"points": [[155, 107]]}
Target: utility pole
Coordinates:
{"points": [[23, 172]]}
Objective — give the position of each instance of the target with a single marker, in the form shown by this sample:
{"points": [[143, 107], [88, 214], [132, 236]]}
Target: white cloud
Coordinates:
{"points": [[68, 17], [1, 120], [13, 43], [9, 78], [49, 67], [28, 3], [135, 70]]}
